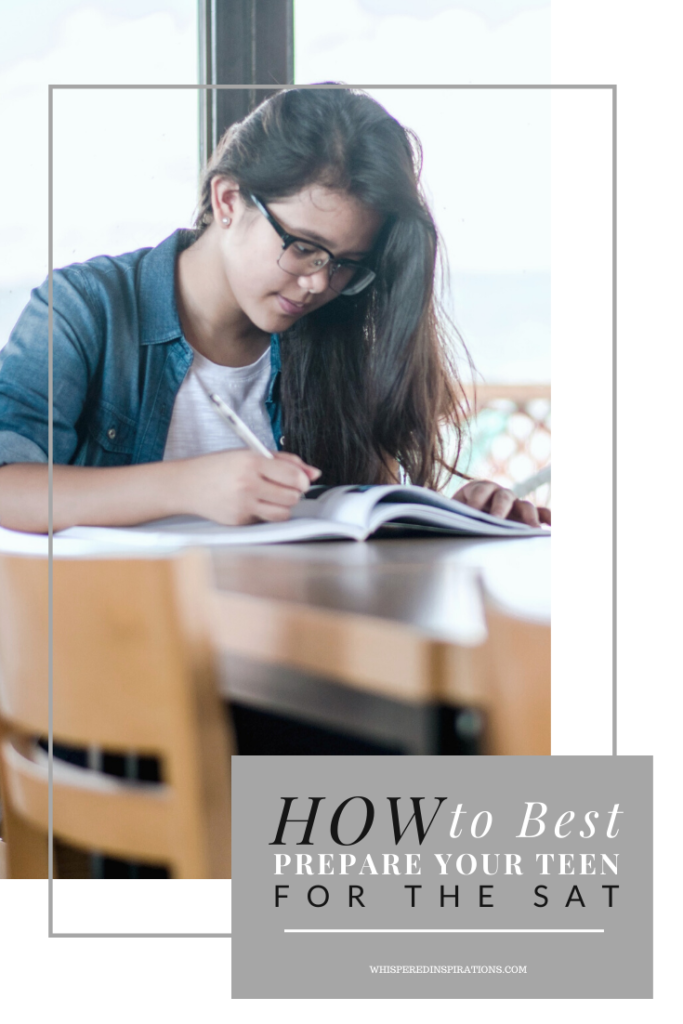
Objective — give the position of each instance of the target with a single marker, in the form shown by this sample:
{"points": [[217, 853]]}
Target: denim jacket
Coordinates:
{"points": [[119, 359]]}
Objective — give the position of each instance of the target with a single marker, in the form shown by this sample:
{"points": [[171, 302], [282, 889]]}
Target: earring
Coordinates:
{"points": [[226, 221]]}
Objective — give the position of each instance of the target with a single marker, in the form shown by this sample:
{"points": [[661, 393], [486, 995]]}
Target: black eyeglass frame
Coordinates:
{"points": [[288, 240]]}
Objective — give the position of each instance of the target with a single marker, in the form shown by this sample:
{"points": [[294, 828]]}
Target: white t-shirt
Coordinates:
{"points": [[197, 428]]}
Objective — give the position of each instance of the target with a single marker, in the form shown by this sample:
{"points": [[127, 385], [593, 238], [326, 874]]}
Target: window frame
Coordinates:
{"points": [[243, 42]]}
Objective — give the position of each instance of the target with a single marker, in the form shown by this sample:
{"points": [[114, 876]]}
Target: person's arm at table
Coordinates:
{"points": [[232, 488]]}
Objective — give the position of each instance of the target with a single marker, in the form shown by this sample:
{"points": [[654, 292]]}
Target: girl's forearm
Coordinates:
{"points": [[89, 496]]}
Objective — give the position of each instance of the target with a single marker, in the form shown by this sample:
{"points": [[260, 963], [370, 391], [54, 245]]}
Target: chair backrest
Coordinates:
{"points": [[133, 671], [516, 661]]}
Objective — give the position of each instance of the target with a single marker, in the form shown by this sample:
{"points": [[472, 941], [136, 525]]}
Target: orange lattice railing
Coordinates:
{"points": [[510, 434]]}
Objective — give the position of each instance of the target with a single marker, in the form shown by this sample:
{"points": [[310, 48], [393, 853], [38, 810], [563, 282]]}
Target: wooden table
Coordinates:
{"points": [[371, 640]]}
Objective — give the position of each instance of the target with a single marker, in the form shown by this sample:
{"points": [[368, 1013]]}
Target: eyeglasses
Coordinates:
{"points": [[301, 258]]}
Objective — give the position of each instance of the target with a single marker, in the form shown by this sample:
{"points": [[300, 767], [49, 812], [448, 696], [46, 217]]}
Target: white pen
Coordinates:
{"points": [[238, 425]]}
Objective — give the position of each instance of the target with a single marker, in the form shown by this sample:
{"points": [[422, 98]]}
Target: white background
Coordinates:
{"points": [[177, 980]]}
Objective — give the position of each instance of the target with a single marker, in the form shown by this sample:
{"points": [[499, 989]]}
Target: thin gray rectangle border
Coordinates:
{"points": [[50, 453]]}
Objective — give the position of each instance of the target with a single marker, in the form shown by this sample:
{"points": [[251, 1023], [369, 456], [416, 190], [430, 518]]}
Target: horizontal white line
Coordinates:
{"points": [[404, 931]]}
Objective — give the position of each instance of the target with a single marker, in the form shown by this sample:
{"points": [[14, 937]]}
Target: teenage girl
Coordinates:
{"points": [[304, 296]]}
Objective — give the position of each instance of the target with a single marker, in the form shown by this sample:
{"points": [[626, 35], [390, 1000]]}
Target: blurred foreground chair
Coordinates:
{"points": [[505, 676], [517, 664], [507, 679], [133, 670]]}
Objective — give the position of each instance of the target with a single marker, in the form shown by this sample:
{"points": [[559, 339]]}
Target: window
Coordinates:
{"points": [[125, 162]]}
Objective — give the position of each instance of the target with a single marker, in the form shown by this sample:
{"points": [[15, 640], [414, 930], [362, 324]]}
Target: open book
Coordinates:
{"points": [[324, 513]]}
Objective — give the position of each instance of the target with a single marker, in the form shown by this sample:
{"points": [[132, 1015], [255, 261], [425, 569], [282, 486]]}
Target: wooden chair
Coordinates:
{"points": [[508, 678], [133, 670]]}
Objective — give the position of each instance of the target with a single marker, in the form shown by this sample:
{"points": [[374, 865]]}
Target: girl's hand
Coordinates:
{"points": [[499, 501], [238, 487]]}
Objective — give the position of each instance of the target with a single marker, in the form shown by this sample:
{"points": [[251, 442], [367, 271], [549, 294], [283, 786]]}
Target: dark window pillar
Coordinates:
{"points": [[241, 42]]}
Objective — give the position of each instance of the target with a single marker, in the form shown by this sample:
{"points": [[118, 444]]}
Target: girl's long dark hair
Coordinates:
{"points": [[368, 381]]}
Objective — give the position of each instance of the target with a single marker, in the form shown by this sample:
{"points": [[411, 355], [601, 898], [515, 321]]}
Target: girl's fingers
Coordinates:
{"points": [[499, 501], [525, 512], [311, 472], [271, 513], [276, 494], [502, 503], [477, 493], [285, 473]]}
